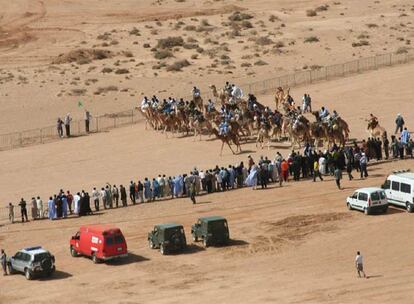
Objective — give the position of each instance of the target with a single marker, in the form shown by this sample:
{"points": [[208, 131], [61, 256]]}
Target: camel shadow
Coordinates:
{"points": [[375, 276], [235, 242], [245, 152], [203, 202]]}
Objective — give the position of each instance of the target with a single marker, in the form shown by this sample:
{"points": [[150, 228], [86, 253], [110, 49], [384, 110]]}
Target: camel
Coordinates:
{"points": [[198, 125], [262, 135], [281, 97], [198, 101], [376, 130], [229, 138], [220, 94], [339, 132]]}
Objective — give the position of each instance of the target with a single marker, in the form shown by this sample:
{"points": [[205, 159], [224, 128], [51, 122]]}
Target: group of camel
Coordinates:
{"points": [[248, 118]]}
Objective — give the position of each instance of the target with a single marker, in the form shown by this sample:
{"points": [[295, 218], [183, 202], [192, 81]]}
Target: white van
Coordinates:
{"points": [[368, 200], [399, 188]]}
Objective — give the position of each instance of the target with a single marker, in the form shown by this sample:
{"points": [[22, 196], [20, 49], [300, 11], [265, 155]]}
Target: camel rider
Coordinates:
{"points": [[290, 101], [196, 92], [228, 88], [210, 106], [323, 114], [277, 118], [251, 101], [264, 122], [333, 119], [372, 121], [236, 93], [224, 127], [297, 122], [145, 103]]}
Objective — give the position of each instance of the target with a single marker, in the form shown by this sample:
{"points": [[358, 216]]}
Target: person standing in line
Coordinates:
{"points": [[122, 191], [103, 195], [69, 198], [132, 192], [88, 118], [59, 126], [34, 208], [359, 264], [52, 208], [95, 196], [140, 191], [338, 177], [108, 196], [76, 203], [316, 172], [67, 122], [3, 261], [11, 213], [39, 204], [115, 195], [386, 146], [23, 210]]}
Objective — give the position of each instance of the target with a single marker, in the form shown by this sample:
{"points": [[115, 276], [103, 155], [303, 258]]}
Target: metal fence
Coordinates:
{"points": [[114, 120]]}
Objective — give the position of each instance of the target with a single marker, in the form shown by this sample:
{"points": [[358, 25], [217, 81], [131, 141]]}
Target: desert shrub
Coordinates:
{"points": [[162, 54], [194, 56], [191, 40], [238, 16], [371, 25], [263, 41], [204, 22], [200, 50], [322, 8], [363, 36], [360, 43], [190, 28], [107, 70], [260, 62], [246, 65], [246, 24], [146, 45], [190, 46], [273, 18], [178, 65], [170, 42], [402, 50], [311, 13], [311, 39], [122, 71], [279, 44]]}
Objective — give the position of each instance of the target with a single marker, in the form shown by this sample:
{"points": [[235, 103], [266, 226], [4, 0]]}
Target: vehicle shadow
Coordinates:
{"points": [[393, 210], [57, 275], [130, 259], [234, 242], [193, 248]]}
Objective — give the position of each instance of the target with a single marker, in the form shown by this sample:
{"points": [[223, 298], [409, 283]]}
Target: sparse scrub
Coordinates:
{"points": [[239, 16], [360, 43], [263, 41], [178, 65], [162, 54], [170, 42], [311, 39], [311, 13], [371, 25], [260, 62], [107, 70], [402, 50], [322, 8], [122, 71]]}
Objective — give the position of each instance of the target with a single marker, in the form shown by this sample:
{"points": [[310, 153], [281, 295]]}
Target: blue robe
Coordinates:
{"points": [[52, 209], [251, 179], [231, 177], [155, 188], [65, 206], [178, 186], [147, 189]]}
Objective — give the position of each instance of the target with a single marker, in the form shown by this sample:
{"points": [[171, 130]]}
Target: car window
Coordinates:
{"points": [[363, 196], [18, 256], [119, 239], [387, 184], [355, 195], [109, 240], [26, 257], [395, 186], [375, 196], [406, 188], [382, 195]]}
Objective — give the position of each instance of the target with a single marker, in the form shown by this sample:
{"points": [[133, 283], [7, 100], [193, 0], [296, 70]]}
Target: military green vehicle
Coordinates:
{"points": [[167, 237], [212, 230]]}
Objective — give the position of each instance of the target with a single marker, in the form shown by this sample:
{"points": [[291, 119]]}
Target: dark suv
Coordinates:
{"points": [[167, 237], [212, 230], [32, 261]]}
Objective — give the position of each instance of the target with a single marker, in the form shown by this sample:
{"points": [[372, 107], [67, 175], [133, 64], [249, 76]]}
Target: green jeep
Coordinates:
{"points": [[167, 237], [212, 230]]}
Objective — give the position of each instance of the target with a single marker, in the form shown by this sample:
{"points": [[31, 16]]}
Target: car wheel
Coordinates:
{"points": [[205, 242], [73, 252], [366, 211], [51, 271], [385, 209], [10, 269], [28, 274], [408, 207], [162, 249], [349, 206], [195, 239], [95, 259], [151, 244]]}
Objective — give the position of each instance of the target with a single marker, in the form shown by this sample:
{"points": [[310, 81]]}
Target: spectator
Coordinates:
{"points": [[69, 198], [115, 195], [140, 188], [132, 192], [52, 209], [363, 165], [316, 171], [123, 195], [34, 208], [399, 122], [67, 122], [95, 197], [59, 126], [88, 118], [39, 204], [23, 210], [11, 213], [3, 261], [338, 177], [359, 264]]}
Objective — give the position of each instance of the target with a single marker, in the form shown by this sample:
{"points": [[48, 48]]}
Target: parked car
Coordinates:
{"points": [[100, 242], [399, 188], [368, 200], [32, 261], [167, 237], [212, 230]]}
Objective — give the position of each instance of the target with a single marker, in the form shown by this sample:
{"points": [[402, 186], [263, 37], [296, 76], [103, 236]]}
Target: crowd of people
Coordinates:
{"points": [[65, 124], [308, 164]]}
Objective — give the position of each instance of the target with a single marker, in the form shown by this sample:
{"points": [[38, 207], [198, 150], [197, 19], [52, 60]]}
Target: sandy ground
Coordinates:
{"points": [[33, 33], [290, 245]]}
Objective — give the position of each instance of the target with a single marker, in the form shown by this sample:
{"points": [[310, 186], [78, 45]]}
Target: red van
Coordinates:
{"points": [[101, 242]]}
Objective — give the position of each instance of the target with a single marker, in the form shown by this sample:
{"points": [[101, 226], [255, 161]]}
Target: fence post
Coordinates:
{"points": [[389, 58], [97, 128], [20, 139], [310, 76], [114, 121], [132, 116], [41, 139], [358, 66]]}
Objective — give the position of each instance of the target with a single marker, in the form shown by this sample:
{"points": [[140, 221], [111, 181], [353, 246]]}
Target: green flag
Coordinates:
{"points": [[80, 104]]}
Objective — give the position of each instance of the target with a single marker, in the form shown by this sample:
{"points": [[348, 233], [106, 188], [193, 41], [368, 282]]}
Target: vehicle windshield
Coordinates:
{"points": [[109, 240], [382, 194], [171, 231], [41, 256], [217, 226], [119, 239]]}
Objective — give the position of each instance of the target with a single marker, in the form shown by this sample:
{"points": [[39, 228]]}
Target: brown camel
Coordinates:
{"points": [[281, 97], [198, 125], [262, 135], [229, 138], [220, 94]]}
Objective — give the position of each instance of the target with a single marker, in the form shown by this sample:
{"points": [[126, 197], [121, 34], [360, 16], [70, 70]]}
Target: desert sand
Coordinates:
{"points": [[294, 244]]}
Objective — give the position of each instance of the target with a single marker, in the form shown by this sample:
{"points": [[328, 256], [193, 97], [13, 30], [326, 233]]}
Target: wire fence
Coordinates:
{"points": [[114, 120]]}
